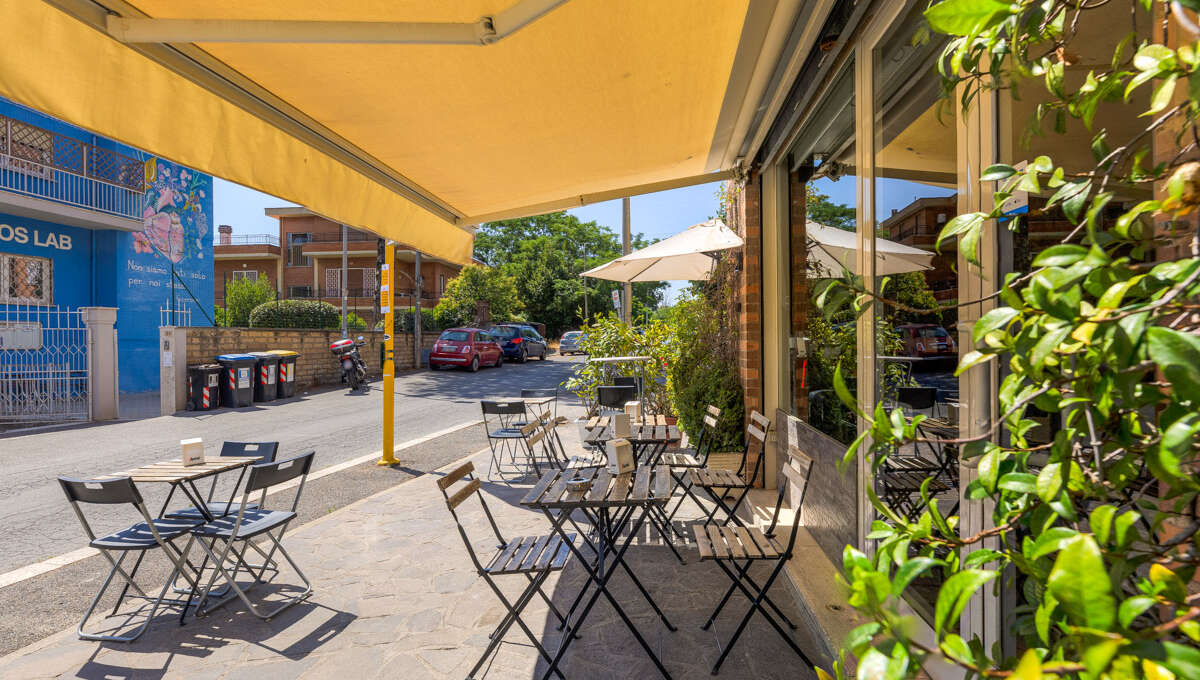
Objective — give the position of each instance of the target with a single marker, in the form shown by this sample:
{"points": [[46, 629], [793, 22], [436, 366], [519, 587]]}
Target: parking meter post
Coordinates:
{"points": [[387, 303]]}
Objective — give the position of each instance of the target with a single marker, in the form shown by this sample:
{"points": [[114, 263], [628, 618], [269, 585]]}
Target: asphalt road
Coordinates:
{"points": [[36, 522]]}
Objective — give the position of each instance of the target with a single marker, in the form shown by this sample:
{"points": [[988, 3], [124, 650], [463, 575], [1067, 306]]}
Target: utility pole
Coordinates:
{"points": [[387, 305], [417, 308], [343, 280], [627, 298]]}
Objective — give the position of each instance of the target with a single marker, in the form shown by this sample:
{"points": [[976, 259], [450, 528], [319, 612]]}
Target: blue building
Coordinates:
{"points": [[87, 222]]}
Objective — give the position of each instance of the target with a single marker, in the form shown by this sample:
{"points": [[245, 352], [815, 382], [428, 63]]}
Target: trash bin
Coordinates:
{"points": [[237, 383], [204, 387], [266, 371], [287, 371]]}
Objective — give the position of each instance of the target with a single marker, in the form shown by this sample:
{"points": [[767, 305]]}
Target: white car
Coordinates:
{"points": [[569, 344]]}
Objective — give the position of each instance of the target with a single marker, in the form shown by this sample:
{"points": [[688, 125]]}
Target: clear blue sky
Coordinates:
{"points": [[655, 216]]}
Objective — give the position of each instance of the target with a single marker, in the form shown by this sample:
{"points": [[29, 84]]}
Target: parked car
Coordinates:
{"points": [[926, 341], [569, 343], [467, 348], [520, 342]]}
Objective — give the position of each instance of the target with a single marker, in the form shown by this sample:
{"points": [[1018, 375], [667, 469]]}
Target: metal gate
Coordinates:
{"points": [[43, 365]]}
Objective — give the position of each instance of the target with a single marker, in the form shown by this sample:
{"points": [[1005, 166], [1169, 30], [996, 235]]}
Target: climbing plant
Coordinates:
{"points": [[1095, 531]]}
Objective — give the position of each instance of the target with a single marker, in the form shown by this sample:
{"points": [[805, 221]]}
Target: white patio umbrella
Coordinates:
{"points": [[682, 257], [834, 248]]}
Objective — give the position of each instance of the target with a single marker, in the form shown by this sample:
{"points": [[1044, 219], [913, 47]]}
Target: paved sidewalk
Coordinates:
{"points": [[396, 596]]}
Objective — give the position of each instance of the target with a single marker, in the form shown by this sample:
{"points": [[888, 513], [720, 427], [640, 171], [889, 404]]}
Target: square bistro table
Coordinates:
{"points": [[609, 502], [184, 477]]}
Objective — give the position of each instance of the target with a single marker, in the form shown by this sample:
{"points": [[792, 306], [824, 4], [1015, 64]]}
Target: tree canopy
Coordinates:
{"points": [[545, 254], [474, 283]]}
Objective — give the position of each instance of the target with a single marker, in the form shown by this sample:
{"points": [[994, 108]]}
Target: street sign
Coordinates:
{"points": [[617, 300]]}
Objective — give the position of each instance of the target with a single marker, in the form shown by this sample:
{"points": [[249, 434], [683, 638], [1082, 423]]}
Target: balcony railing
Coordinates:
{"points": [[248, 240], [336, 237], [311, 293], [37, 162]]}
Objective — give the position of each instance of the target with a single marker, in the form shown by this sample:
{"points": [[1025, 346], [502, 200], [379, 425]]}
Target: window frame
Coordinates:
{"points": [[6, 268]]}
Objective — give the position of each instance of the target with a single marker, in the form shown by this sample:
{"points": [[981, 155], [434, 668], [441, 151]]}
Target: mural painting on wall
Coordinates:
{"points": [[174, 219]]}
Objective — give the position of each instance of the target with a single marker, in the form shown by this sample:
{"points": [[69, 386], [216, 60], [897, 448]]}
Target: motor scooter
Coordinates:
{"points": [[354, 371]]}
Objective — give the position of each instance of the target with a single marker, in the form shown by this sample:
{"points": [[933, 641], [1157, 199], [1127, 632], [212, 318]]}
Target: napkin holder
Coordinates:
{"points": [[193, 451], [620, 456], [620, 423], [633, 409]]}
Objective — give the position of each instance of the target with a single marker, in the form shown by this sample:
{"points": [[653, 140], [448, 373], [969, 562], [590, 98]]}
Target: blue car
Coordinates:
{"points": [[520, 342]]}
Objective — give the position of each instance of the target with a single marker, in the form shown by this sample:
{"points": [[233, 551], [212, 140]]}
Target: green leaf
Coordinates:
{"points": [[1080, 583], [966, 17], [1101, 521], [995, 319], [843, 392], [911, 570], [1047, 343], [989, 468], [1052, 540], [1132, 608], [970, 359], [997, 172], [960, 224], [956, 592], [1170, 585], [1164, 459], [1182, 660], [1178, 355], [1061, 255], [1162, 95], [1021, 482]]}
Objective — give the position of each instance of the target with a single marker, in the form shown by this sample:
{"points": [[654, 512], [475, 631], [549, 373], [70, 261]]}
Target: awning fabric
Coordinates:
{"points": [[682, 257], [595, 95], [832, 249]]}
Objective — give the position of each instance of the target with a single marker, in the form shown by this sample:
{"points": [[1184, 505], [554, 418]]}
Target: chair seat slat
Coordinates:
{"points": [[641, 485], [535, 494], [718, 542]]}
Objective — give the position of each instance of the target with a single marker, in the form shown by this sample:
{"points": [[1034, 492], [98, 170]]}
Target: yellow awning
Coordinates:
{"points": [[413, 141]]}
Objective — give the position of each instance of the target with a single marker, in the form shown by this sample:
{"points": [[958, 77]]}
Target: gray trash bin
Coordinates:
{"points": [[237, 379], [266, 376]]}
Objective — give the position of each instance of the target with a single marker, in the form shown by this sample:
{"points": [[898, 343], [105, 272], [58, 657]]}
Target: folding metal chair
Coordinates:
{"points": [[696, 457], [534, 557], [248, 524], [729, 546], [266, 452], [720, 482], [140, 538], [503, 433]]}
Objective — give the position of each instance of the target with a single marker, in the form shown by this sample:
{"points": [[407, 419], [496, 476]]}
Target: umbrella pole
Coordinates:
{"points": [[627, 298]]}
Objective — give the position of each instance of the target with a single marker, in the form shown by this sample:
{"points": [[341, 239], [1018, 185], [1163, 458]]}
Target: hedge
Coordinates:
{"points": [[295, 314]]}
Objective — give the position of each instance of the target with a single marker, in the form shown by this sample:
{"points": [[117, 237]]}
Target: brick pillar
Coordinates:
{"points": [[798, 279], [749, 292]]}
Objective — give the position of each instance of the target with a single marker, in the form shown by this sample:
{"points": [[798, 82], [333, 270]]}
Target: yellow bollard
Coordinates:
{"points": [[387, 303]]}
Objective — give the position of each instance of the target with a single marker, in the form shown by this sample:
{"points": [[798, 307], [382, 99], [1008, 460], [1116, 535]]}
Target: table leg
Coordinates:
{"points": [[601, 581]]}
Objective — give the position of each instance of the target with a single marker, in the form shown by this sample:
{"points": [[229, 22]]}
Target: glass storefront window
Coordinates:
{"points": [[915, 353]]}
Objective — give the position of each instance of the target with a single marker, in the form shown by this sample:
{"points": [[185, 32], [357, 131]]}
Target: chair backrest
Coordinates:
{"points": [[472, 487], [101, 491], [756, 432], [265, 475], [627, 380], [708, 433], [919, 398], [797, 472], [615, 396], [503, 408], [266, 451], [547, 392]]}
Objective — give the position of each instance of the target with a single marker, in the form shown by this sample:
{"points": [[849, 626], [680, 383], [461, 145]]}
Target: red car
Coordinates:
{"points": [[927, 340], [466, 347]]}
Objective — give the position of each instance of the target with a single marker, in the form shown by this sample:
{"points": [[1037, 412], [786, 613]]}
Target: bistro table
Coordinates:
{"points": [[649, 439], [184, 477], [609, 502], [530, 402]]}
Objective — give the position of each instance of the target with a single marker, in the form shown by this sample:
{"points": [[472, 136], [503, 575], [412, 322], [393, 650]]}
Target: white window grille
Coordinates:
{"points": [[26, 280], [247, 274]]}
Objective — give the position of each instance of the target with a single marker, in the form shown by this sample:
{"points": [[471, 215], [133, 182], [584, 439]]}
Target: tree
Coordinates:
{"points": [[241, 297], [825, 212], [545, 254], [1094, 533], [472, 285]]}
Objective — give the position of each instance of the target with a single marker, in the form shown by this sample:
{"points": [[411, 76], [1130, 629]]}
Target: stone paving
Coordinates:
{"points": [[396, 596]]}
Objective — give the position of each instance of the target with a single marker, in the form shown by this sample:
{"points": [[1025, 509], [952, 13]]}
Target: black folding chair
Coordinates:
{"points": [[534, 557], [503, 431], [265, 451], [720, 482], [248, 524], [729, 546], [683, 460], [140, 538], [918, 398], [614, 397]]}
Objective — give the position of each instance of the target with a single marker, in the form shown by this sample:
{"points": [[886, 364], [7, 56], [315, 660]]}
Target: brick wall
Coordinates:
{"points": [[797, 269], [745, 213], [316, 365]]}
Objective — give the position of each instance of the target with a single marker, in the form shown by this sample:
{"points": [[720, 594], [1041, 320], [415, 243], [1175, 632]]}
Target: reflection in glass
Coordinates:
{"points": [[915, 319]]}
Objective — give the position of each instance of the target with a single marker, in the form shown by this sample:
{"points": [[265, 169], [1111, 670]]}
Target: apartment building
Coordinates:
{"points": [[304, 261]]}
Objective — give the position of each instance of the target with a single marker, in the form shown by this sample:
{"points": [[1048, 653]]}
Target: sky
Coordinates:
{"points": [[655, 216]]}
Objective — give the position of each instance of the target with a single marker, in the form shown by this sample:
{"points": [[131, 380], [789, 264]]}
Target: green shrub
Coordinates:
{"points": [[610, 337], [243, 296], [354, 322], [705, 371], [296, 314]]}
